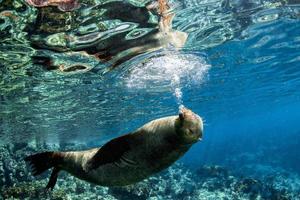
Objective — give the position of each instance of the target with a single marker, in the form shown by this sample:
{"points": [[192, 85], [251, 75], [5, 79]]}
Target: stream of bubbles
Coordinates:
{"points": [[169, 71]]}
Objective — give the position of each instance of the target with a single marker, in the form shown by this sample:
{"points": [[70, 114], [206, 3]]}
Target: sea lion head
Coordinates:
{"points": [[189, 126]]}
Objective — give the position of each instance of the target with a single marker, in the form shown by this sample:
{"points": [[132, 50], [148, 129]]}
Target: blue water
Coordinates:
{"points": [[239, 70], [251, 101]]}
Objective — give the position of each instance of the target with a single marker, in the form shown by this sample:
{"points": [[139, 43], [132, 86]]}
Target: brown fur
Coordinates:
{"points": [[131, 157]]}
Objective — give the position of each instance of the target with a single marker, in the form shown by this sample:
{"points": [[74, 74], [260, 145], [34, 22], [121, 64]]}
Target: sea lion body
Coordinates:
{"points": [[151, 152], [132, 157]]}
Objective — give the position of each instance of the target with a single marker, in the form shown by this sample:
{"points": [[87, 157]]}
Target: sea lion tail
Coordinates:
{"points": [[40, 162]]}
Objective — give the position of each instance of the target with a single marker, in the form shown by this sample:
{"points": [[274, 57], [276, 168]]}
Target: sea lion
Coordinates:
{"points": [[129, 158]]}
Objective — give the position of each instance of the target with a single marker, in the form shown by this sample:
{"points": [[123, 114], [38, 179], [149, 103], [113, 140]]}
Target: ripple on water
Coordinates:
{"points": [[42, 103], [266, 15], [210, 23]]}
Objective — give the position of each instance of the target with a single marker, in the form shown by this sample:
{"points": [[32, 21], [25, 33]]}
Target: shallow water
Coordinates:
{"points": [[239, 70]]}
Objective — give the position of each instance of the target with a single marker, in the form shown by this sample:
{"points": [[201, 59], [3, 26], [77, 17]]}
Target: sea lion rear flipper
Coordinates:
{"points": [[110, 152], [53, 178], [41, 162]]}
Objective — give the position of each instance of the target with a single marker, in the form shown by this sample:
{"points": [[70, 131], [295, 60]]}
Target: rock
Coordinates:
{"points": [[212, 171]]}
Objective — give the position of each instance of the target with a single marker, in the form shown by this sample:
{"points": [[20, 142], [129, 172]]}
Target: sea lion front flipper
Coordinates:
{"points": [[110, 152], [53, 178]]}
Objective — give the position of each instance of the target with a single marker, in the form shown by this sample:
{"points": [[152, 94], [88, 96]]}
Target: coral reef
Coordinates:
{"points": [[177, 182]]}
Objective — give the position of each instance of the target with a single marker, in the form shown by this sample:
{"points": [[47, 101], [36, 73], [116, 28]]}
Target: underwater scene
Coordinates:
{"points": [[150, 99]]}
